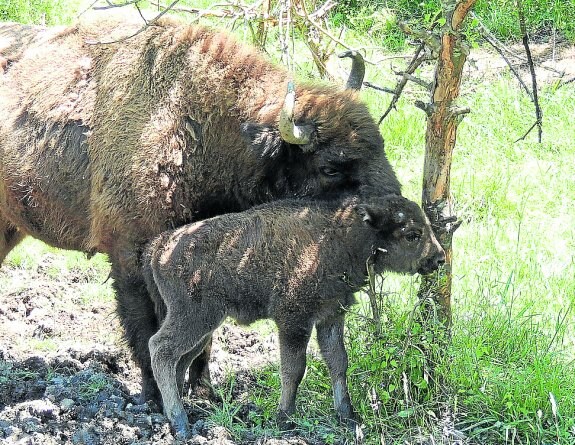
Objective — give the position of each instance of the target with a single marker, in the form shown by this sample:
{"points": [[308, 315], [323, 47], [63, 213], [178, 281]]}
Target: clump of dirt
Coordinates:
{"points": [[67, 378]]}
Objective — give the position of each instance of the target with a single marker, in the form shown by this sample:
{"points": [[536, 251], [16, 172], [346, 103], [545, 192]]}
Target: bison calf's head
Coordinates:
{"points": [[405, 242]]}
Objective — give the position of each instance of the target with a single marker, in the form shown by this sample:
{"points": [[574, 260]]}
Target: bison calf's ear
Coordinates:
{"points": [[264, 140]]}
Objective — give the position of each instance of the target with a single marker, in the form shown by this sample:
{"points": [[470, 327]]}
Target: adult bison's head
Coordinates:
{"points": [[323, 142]]}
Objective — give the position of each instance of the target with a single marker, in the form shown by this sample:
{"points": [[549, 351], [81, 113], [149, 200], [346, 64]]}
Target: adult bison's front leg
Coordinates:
{"points": [[137, 316]]}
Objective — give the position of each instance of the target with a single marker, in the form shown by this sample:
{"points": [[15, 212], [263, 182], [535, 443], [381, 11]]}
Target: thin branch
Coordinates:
{"points": [[503, 47], [113, 5], [527, 132], [562, 84], [139, 31], [87, 9], [497, 45], [378, 88], [416, 60], [416, 80], [538, 112]]}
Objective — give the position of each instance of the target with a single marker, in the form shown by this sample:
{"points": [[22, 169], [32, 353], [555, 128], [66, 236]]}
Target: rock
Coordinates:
{"points": [[85, 437], [44, 409], [67, 404]]}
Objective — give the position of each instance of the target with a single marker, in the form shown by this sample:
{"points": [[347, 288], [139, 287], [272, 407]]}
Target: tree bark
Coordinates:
{"points": [[443, 117]]}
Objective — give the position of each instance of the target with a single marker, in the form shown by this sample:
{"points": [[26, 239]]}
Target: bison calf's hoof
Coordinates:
{"points": [[284, 421], [181, 426]]}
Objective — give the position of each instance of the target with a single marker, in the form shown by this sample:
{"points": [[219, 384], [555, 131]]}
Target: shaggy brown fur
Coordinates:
{"points": [[296, 262], [103, 147]]}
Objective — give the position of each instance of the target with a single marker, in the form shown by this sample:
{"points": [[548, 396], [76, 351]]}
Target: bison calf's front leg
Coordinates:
{"points": [[293, 347], [330, 339]]}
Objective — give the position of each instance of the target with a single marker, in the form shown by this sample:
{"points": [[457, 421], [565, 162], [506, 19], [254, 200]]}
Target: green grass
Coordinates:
{"points": [[39, 12]]}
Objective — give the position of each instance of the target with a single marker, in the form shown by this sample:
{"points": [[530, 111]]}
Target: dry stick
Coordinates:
{"points": [[416, 60], [566, 82], [139, 31], [493, 43], [487, 33], [88, 8], [535, 98], [378, 88], [113, 5]]}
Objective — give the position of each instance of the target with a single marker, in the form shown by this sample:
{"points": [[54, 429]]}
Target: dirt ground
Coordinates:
{"points": [[67, 378]]}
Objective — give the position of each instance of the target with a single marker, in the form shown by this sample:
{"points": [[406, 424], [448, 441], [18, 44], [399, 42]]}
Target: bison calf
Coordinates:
{"points": [[297, 262]]}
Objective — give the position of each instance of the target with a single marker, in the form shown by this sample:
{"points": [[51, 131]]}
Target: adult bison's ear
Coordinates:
{"points": [[263, 139]]}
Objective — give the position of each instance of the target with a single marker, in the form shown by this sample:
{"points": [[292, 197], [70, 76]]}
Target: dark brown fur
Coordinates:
{"points": [[296, 262], [102, 147]]}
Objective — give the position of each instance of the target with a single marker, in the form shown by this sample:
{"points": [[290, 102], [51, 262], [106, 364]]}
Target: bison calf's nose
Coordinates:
{"points": [[439, 259]]}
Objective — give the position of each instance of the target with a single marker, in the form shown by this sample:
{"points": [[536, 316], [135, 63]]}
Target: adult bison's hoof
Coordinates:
{"points": [[150, 394]]}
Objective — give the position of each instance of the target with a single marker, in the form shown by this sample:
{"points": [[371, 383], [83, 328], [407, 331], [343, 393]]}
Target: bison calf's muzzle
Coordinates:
{"points": [[297, 262]]}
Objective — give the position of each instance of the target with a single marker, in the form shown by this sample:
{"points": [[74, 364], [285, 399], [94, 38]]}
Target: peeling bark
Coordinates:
{"points": [[443, 117]]}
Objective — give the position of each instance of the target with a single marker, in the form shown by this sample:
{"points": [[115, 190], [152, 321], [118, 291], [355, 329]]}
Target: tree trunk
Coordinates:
{"points": [[443, 117]]}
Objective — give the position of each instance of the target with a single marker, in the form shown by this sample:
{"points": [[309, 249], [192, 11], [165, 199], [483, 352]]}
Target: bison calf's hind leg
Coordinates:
{"points": [[293, 345], [176, 338], [330, 340], [199, 380]]}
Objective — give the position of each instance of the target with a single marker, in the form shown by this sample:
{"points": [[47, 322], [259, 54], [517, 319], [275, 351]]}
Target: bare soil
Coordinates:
{"points": [[67, 378]]}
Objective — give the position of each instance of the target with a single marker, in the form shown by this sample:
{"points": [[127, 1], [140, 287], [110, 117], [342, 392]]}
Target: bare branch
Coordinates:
{"points": [[378, 88], [88, 8], [416, 80], [113, 5], [497, 45], [562, 84], [139, 31], [535, 98], [527, 132], [416, 60]]}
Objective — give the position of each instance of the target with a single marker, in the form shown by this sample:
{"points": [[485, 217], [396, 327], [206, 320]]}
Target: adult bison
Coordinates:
{"points": [[104, 146]]}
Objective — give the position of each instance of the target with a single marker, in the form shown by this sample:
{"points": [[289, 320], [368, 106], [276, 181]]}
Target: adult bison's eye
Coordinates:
{"points": [[413, 235], [329, 171]]}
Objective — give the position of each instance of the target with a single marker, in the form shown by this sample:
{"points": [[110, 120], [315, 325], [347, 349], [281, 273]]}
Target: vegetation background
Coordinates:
{"points": [[506, 374]]}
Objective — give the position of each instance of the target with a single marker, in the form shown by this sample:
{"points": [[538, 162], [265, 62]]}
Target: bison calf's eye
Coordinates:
{"points": [[413, 235]]}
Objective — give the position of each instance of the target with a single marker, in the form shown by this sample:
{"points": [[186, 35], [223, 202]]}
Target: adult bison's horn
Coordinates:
{"points": [[355, 79], [289, 131]]}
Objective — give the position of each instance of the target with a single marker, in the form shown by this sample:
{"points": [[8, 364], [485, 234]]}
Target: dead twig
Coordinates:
{"points": [[565, 82], [147, 24], [111, 5], [416, 61], [378, 88], [535, 98], [416, 80], [498, 46]]}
